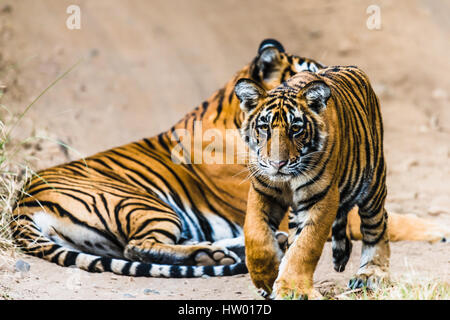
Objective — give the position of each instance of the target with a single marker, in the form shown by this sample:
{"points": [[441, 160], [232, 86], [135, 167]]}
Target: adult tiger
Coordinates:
{"points": [[131, 210]]}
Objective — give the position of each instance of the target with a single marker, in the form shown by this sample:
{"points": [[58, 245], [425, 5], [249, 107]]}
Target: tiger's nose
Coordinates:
{"points": [[278, 164]]}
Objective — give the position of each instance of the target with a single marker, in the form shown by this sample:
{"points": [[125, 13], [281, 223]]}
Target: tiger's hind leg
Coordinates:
{"points": [[341, 242], [154, 237], [375, 253]]}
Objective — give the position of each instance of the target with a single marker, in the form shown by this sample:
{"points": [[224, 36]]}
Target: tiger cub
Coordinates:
{"points": [[316, 146]]}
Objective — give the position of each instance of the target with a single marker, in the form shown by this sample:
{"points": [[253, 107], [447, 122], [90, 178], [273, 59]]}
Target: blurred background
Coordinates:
{"points": [[147, 63]]}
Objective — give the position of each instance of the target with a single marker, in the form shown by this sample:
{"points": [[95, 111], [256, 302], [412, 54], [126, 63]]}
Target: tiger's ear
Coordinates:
{"points": [[316, 94], [270, 43], [267, 65], [249, 93]]}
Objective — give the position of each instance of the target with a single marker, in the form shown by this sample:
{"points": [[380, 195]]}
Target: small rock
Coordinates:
{"points": [[6, 8], [345, 47], [409, 163], [434, 122], [205, 276], [151, 291], [59, 50], [436, 210], [315, 34], [128, 295], [21, 266], [94, 53]]}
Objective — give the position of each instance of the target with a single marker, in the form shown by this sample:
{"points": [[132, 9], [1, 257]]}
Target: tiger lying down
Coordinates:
{"points": [[134, 211]]}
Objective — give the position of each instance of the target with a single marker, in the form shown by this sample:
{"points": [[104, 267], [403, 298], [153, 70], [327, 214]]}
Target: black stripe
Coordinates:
{"points": [[126, 269], [143, 269], [220, 95], [70, 258], [314, 199]]}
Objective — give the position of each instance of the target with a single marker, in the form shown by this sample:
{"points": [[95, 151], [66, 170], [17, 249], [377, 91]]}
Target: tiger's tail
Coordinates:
{"points": [[404, 227], [33, 242]]}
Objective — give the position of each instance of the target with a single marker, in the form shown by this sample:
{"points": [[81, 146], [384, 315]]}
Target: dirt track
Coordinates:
{"points": [[146, 63]]}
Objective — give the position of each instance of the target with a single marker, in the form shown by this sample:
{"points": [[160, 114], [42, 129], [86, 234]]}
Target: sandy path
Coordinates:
{"points": [[49, 281]]}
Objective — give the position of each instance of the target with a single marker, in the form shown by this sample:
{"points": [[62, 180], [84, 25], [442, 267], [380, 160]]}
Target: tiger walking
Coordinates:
{"points": [[317, 148]]}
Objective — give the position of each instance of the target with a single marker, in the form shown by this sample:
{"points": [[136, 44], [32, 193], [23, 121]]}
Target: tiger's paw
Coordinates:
{"points": [[263, 293], [341, 254], [298, 289], [371, 278], [215, 256], [296, 294]]}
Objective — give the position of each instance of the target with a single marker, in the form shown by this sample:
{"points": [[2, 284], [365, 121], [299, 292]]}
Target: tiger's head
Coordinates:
{"points": [[272, 65], [284, 127]]}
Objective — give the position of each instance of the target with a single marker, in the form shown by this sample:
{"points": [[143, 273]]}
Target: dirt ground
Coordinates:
{"points": [[147, 63]]}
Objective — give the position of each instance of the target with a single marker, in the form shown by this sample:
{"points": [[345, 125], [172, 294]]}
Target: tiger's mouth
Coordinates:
{"points": [[275, 171]]}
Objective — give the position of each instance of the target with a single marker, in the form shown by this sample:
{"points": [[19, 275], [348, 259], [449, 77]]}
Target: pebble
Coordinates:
{"points": [[434, 122], [409, 163], [6, 9], [21, 266], [436, 210], [150, 291], [345, 47], [94, 52], [128, 295]]}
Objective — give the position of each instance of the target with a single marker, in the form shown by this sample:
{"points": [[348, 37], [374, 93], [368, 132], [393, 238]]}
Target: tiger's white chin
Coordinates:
{"points": [[277, 175]]}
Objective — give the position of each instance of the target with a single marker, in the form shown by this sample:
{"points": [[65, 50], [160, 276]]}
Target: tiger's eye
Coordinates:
{"points": [[264, 127], [296, 128]]}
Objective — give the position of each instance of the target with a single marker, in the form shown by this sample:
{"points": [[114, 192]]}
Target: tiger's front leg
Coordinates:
{"points": [[262, 248], [153, 234], [295, 278]]}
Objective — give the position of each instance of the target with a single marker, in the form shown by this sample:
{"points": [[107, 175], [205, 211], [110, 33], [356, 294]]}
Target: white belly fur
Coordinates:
{"points": [[83, 239]]}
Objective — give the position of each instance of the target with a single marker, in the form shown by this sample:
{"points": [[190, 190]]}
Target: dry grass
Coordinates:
{"points": [[17, 158], [411, 286], [15, 168], [406, 288], [12, 171]]}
